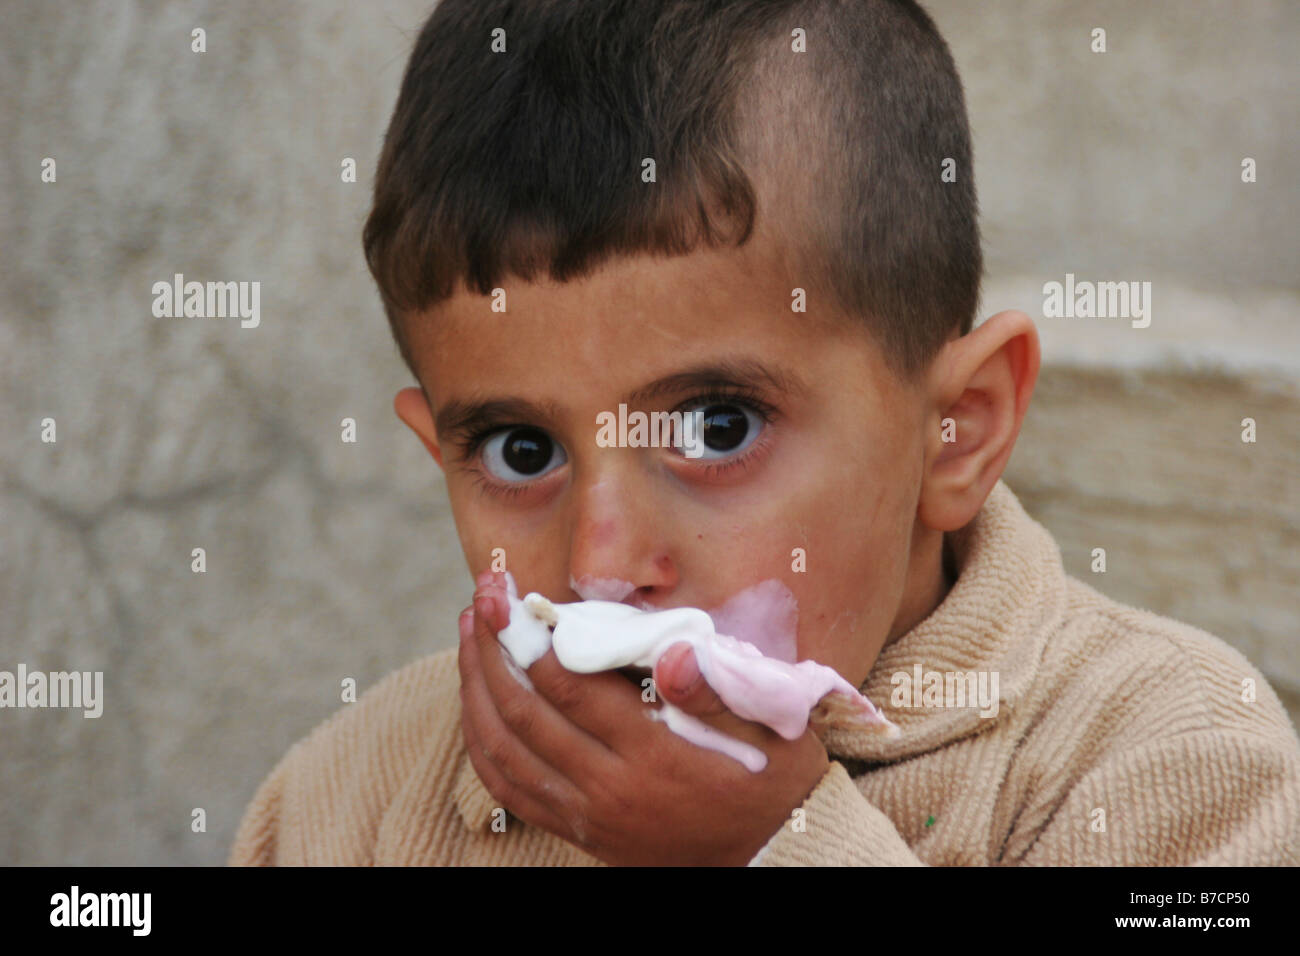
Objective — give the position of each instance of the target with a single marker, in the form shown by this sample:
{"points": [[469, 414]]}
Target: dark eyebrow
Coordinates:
{"points": [[457, 417], [727, 372], [467, 417]]}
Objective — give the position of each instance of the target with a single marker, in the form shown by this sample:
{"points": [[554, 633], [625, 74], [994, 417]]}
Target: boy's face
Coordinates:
{"points": [[836, 471]]}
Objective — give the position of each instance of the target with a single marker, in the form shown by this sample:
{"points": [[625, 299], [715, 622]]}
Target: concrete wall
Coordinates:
{"points": [[328, 560]]}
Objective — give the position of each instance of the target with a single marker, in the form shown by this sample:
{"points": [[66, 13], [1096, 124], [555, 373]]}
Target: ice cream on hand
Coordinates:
{"points": [[592, 636]]}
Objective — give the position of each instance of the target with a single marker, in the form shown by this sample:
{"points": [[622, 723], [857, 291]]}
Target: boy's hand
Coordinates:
{"points": [[581, 758]]}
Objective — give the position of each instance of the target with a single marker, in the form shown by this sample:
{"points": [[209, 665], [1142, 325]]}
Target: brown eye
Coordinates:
{"points": [[725, 427], [518, 454], [720, 429]]}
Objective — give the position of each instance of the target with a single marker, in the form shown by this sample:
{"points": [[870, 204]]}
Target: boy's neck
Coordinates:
{"points": [[935, 556]]}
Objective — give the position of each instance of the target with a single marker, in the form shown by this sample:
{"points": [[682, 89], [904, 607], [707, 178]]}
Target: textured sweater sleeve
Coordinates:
{"points": [[840, 827], [1210, 797], [257, 840]]}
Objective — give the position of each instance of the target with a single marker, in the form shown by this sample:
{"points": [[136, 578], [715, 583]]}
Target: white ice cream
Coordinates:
{"points": [[592, 636]]}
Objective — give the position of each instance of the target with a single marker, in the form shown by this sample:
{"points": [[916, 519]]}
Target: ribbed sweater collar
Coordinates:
{"points": [[1008, 598]]}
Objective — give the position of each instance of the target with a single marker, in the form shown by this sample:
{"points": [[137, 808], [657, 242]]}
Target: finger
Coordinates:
{"points": [[523, 782], [576, 722], [607, 705], [521, 766], [514, 798], [679, 681]]}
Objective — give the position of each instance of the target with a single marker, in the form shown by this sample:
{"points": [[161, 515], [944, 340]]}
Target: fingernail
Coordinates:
{"points": [[466, 624], [687, 673], [483, 607]]}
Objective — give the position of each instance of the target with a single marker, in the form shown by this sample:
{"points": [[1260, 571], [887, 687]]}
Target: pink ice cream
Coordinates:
{"points": [[595, 635], [766, 614]]}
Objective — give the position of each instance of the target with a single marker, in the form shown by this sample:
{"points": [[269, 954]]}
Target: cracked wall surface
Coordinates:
{"points": [[328, 560]]}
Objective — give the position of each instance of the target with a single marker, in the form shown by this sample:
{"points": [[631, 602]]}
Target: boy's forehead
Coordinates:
{"points": [[640, 330], [703, 277], [633, 318], [632, 321], [709, 294]]}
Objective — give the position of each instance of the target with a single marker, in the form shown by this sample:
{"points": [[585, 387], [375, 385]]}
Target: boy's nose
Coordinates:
{"points": [[618, 543]]}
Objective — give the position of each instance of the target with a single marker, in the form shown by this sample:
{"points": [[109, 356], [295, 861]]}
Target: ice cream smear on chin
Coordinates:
{"points": [[592, 636]]}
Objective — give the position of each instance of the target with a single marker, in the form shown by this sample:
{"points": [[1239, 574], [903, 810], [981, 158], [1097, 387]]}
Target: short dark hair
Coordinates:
{"points": [[515, 162]]}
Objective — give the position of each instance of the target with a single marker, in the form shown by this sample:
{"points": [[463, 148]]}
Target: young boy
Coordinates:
{"points": [[760, 213]]}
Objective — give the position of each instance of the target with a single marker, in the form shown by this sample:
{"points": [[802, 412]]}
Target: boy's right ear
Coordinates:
{"points": [[412, 408]]}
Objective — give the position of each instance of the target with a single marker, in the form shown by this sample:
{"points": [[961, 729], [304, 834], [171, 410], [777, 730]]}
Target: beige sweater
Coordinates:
{"points": [[1121, 738]]}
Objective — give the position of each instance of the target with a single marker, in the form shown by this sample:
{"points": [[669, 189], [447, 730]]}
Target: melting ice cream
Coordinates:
{"points": [[592, 636]]}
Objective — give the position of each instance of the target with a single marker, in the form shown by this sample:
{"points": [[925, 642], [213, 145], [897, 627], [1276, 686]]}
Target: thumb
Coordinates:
{"points": [[678, 680]]}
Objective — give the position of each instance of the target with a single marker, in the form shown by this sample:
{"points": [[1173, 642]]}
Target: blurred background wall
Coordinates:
{"points": [[328, 560]]}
